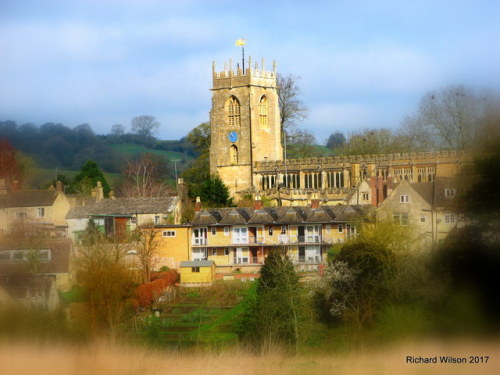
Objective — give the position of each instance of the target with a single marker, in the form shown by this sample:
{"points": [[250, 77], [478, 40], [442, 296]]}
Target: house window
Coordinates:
{"points": [[328, 228], [157, 219], [449, 218], [404, 219], [449, 193], [404, 198], [422, 219], [226, 231], [366, 196], [213, 230], [41, 211], [21, 215], [133, 220], [214, 252], [195, 269], [270, 231], [226, 251], [169, 233], [401, 219], [4, 255], [341, 228], [233, 112], [283, 229]]}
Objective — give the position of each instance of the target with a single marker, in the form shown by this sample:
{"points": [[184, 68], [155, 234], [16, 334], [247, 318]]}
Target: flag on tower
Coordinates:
{"points": [[240, 42]]}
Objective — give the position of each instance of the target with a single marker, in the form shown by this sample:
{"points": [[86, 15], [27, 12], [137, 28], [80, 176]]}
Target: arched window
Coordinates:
{"points": [[233, 112], [263, 111], [233, 154]]}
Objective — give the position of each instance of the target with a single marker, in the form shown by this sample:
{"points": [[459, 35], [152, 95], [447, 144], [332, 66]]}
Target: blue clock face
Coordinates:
{"points": [[232, 136]]}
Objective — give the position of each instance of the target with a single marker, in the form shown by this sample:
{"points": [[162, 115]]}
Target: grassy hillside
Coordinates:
{"points": [[42, 177], [132, 149]]}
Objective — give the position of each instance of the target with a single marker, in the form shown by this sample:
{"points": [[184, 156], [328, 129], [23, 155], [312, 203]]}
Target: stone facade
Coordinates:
{"points": [[245, 124], [246, 151]]}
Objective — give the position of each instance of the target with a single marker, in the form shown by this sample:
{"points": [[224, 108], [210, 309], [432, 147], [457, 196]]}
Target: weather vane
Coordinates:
{"points": [[241, 42]]}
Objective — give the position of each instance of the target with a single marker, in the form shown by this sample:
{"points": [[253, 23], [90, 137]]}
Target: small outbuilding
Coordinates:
{"points": [[197, 272]]}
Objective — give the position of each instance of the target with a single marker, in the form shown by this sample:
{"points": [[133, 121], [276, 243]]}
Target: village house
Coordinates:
{"points": [[48, 257], [26, 290], [33, 210], [426, 206], [119, 216], [241, 238]]}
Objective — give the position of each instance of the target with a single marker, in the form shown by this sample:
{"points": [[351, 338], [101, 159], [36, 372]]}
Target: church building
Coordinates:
{"points": [[246, 151]]}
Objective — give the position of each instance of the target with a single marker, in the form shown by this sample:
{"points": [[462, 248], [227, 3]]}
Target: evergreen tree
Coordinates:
{"points": [[87, 179], [214, 193], [277, 313]]}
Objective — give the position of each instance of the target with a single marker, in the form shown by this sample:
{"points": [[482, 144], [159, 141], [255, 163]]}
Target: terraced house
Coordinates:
{"points": [[243, 237]]}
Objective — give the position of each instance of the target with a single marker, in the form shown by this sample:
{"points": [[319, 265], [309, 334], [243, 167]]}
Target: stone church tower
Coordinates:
{"points": [[245, 124]]}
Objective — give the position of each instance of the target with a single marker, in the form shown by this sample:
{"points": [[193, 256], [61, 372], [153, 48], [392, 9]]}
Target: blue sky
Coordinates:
{"points": [[362, 64]]}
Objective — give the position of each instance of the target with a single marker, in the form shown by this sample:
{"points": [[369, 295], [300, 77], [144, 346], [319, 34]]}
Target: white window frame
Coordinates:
{"points": [[341, 228], [169, 233], [328, 228], [213, 231], [133, 220], [41, 211], [240, 235], [226, 231], [157, 219], [449, 218], [214, 252], [404, 199]]}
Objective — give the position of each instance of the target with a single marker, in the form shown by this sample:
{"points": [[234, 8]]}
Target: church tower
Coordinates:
{"points": [[245, 124]]}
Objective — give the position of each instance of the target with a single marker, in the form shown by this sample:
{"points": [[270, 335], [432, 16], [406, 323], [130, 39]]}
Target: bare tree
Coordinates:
{"points": [[446, 118], [108, 280], [146, 177], [374, 141], [300, 144], [145, 125], [292, 109], [147, 251], [117, 130]]}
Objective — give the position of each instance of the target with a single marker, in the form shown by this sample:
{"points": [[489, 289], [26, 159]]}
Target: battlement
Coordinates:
{"points": [[452, 156], [255, 75]]}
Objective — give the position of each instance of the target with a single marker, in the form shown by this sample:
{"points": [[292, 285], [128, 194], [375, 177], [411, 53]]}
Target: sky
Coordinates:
{"points": [[362, 64]]}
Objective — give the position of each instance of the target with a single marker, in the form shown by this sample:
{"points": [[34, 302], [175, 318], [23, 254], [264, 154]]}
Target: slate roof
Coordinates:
{"points": [[124, 207], [280, 215], [434, 192], [29, 198], [59, 262], [196, 263]]}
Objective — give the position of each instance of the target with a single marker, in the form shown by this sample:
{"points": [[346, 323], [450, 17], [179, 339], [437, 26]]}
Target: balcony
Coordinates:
{"points": [[248, 240], [245, 260], [307, 259], [199, 241]]}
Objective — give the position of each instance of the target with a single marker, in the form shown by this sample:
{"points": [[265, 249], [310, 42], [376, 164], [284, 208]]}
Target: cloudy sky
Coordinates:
{"points": [[361, 64]]}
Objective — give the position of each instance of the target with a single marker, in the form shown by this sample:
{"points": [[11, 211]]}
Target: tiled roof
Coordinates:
{"points": [[29, 198], [125, 207], [280, 215]]}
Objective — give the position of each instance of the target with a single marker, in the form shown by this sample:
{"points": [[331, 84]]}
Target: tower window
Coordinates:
{"points": [[233, 112], [233, 154], [263, 112]]}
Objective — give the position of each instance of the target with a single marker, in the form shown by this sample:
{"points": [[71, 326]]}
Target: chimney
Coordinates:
{"points": [[99, 195], [197, 205], [257, 203], [390, 185], [380, 189], [111, 194], [373, 186], [314, 201], [59, 186]]}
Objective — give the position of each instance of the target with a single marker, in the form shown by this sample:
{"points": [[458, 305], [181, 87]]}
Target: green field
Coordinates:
{"points": [[131, 149]]}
